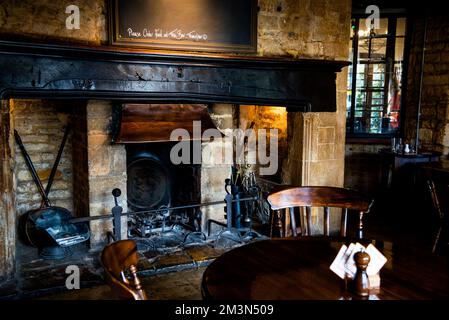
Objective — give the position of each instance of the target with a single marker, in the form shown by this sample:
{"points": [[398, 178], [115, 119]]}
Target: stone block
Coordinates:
{"points": [[97, 109], [326, 134], [425, 135], [213, 179], [269, 22], [326, 151], [215, 213], [222, 109], [98, 141], [98, 230], [326, 173], [222, 121], [99, 163], [100, 126], [118, 153], [216, 154], [60, 194]]}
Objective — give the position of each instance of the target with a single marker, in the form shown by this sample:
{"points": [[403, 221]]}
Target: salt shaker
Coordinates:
{"points": [[407, 148]]}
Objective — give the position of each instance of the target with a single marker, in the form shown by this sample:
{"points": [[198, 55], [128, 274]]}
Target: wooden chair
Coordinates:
{"points": [[438, 210], [325, 197], [119, 261]]}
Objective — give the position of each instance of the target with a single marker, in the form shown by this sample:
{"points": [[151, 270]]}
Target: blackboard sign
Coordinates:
{"points": [[197, 25]]}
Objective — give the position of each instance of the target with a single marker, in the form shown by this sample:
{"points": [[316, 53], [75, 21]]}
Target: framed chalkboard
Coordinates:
{"points": [[194, 25]]}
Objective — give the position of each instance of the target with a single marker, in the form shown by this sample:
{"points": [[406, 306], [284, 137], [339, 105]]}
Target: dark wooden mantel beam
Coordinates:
{"points": [[55, 71]]}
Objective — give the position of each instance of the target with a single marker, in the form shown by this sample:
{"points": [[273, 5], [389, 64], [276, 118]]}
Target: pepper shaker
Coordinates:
{"points": [[361, 280]]}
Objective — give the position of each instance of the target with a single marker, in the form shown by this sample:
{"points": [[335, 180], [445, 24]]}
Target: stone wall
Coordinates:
{"points": [[318, 158], [306, 28], [107, 170], [41, 127], [46, 20], [296, 28], [91, 168], [434, 120]]}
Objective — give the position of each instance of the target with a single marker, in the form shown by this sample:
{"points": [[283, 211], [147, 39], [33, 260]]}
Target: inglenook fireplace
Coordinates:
{"points": [[101, 78]]}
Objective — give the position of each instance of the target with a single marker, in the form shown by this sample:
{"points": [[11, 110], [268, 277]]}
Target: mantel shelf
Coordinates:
{"points": [[106, 72]]}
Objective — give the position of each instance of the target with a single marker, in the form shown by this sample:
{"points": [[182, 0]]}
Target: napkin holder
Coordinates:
{"points": [[351, 264]]}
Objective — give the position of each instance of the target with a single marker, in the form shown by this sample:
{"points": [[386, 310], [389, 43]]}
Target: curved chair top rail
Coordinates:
{"points": [[312, 196]]}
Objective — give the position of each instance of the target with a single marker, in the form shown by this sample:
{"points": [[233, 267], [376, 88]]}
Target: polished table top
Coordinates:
{"points": [[293, 268]]}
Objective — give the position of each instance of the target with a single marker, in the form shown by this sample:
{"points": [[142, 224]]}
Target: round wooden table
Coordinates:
{"points": [[294, 269]]}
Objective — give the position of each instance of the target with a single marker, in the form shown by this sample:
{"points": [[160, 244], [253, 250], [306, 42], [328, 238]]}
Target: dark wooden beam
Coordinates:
{"points": [[7, 209], [56, 71]]}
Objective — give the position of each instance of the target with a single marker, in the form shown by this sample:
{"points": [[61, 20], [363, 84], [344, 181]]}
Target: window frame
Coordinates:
{"points": [[390, 53]]}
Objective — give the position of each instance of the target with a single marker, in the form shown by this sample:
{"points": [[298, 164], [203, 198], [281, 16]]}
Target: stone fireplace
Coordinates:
{"points": [[93, 164], [83, 84]]}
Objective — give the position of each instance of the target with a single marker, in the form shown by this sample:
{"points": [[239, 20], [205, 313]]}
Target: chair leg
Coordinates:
{"points": [[278, 224], [437, 239]]}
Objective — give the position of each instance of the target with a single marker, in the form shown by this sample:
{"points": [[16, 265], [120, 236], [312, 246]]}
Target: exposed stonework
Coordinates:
{"points": [[41, 127], [310, 28], [107, 170], [306, 28], [316, 145], [46, 20], [434, 120], [214, 170]]}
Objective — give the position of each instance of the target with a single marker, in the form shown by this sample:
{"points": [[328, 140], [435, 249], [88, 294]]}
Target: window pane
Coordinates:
{"points": [[400, 27], [399, 49], [378, 47], [349, 93], [364, 31]]}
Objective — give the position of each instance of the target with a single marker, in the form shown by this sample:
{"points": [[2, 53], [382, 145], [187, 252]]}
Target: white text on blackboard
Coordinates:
{"points": [[176, 34]]}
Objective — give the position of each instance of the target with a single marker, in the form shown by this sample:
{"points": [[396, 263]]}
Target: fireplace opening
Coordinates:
{"points": [[155, 183], [93, 164]]}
